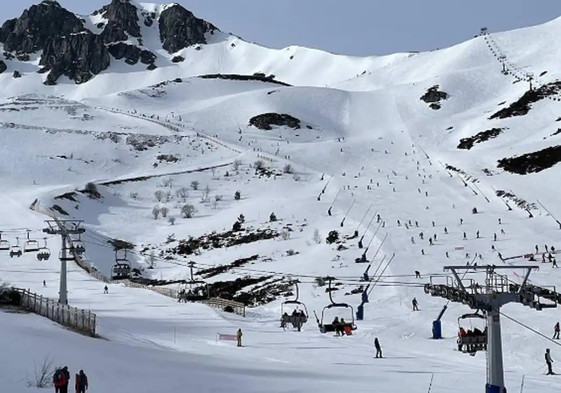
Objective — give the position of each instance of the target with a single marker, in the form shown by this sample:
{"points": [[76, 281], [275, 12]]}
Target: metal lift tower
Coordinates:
{"points": [[497, 291], [64, 228]]}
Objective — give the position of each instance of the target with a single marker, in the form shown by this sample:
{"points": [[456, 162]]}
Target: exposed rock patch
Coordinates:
{"points": [[178, 59], [3, 66], [37, 26], [16, 74], [434, 97], [122, 21], [267, 120], [236, 77], [179, 29], [532, 162], [78, 56], [522, 106], [132, 54], [467, 143]]}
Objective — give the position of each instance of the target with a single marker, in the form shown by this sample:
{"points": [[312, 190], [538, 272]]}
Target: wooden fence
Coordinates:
{"points": [[77, 319]]}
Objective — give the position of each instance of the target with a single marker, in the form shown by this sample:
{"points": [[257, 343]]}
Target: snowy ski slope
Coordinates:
{"points": [[380, 146]]}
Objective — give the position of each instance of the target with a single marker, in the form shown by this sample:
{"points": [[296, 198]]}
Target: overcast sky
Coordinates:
{"points": [[355, 27]]}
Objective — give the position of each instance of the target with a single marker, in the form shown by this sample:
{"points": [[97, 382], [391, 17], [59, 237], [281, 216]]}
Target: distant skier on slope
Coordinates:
{"points": [[549, 362]]}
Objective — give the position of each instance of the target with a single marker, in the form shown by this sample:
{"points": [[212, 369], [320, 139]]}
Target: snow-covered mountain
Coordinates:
{"points": [[136, 111]]}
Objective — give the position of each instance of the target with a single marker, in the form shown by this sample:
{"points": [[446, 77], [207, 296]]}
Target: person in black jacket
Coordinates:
{"points": [[378, 348]]}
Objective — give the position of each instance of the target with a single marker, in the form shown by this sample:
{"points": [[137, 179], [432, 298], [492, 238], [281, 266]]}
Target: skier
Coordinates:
{"points": [[412, 240], [461, 221], [433, 224], [105, 289], [556, 331], [418, 275], [500, 222], [465, 236], [44, 283], [378, 348], [446, 230], [430, 241], [81, 382], [549, 362], [329, 211], [239, 335], [477, 234], [494, 237], [447, 256], [422, 252], [415, 304]]}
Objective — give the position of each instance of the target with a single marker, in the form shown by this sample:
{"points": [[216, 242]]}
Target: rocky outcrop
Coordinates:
{"points": [[16, 74], [179, 29], [78, 56], [131, 54], [122, 21], [266, 120], [237, 77], [522, 106], [532, 162], [434, 96], [37, 26], [3, 66], [468, 143]]}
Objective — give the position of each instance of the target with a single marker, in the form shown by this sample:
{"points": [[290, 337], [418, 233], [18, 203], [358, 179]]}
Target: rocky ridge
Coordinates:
{"points": [[70, 49]]}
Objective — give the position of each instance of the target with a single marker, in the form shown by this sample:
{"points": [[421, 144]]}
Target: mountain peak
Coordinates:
{"points": [[122, 22]]}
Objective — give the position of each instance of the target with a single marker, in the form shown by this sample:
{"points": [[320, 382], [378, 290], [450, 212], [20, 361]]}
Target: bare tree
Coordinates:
{"points": [[182, 193], [288, 169], [159, 195], [237, 164], [206, 194], [43, 374], [213, 171], [164, 210], [214, 204], [152, 260], [188, 211], [317, 236], [134, 195], [285, 235], [155, 212], [195, 185], [171, 220]]}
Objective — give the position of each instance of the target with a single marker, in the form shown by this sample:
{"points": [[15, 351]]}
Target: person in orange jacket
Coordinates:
{"points": [[81, 382]]}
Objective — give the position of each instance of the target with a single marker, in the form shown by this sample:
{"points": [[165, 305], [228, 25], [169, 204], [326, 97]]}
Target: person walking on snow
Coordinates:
{"points": [[239, 335], [549, 362], [378, 348], [415, 304], [556, 331], [59, 380], [81, 382]]}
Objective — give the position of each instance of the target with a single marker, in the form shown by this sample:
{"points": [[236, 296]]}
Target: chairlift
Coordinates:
{"points": [[299, 315], [122, 268], [78, 245], [44, 253], [4, 244], [474, 339], [67, 254], [31, 245], [192, 291], [347, 327], [15, 251]]}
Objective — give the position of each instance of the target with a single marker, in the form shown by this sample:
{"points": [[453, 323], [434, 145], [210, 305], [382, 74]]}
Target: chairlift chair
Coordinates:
{"points": [[192, 292], [4, 244], [44, 253], [31, 245], [15, 251], [78, 245], [122, 268], [299, 315], [472, 342], [330, 327]]}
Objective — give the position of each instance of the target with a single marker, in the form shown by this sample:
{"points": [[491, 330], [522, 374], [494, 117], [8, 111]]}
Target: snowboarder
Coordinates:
{"points": [[549, 362], [239, 335], [81, 382], [415, 304], [556, 331], [378, 348]]}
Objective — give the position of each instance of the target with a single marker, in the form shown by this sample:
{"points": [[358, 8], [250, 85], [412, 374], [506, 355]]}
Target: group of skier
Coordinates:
{"points": [[61, 380]]}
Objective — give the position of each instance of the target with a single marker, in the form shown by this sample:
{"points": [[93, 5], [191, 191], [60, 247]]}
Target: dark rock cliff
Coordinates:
{"points": [[122, 20], [179, 29], [78, 56], [3, 66], [37, 26]]}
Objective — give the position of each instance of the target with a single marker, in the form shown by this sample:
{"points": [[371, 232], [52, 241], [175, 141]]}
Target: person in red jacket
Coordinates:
{"points": [[59, 380]]}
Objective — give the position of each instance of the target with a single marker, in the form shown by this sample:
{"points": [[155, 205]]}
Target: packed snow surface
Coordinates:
{"points": [[366, 137]]}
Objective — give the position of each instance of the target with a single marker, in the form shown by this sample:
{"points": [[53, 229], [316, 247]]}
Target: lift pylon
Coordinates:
{"points": [[496, 291]]}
